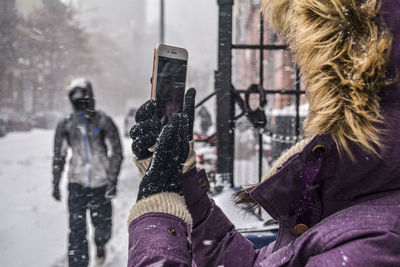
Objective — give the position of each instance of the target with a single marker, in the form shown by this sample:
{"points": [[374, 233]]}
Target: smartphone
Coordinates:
{"points": [[168, 80]]}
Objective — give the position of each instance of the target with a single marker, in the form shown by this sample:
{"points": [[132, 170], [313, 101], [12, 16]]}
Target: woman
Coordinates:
{"points": [[336, 194]]}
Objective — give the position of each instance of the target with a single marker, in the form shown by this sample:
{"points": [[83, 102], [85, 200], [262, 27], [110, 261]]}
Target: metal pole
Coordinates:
{"points": [[162, 21], [261, 75], [225, 99]]}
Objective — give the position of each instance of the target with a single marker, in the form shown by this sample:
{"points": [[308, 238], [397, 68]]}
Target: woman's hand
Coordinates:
{"points": [[146, 130], [171, 150]]}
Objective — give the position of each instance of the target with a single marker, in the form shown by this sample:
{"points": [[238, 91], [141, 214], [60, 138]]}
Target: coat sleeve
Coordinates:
{"points": [[159, 236], [159, 239], [367, 249], [59, 151], [215, 241], [115, 148]]}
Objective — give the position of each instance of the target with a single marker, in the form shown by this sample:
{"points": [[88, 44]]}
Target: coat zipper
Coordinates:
{"points": [[85, 142]]}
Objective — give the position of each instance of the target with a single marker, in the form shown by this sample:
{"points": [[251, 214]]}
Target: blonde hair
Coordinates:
{"points": [[342, 48]]}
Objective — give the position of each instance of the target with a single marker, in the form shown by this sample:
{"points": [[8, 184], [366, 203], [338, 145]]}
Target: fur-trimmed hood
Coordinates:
{"points": [[342, 48], [351, 71], [342, 179]]}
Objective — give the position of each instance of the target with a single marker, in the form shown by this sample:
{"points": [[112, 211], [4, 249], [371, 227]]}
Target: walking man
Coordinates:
{"points": [[94, 166]]}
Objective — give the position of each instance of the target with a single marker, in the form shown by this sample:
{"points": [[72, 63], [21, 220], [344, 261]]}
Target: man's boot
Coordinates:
{"points": [[100, 255]]}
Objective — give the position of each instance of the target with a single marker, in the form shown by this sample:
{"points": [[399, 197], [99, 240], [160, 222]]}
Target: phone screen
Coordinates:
{"points": [[170, 87]]}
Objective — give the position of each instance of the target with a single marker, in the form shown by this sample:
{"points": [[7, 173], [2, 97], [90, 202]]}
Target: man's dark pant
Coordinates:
{"points": [[80, 199]]}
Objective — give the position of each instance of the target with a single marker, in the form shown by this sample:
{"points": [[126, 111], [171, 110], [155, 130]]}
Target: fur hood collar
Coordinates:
{"points": [[343, 49], [364, 170]]}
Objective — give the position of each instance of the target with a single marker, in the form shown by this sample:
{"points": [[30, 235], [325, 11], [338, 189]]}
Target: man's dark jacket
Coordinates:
{"points": [[96, 150]]}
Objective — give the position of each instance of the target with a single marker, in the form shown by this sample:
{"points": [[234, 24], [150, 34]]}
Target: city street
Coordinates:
{"points": [[34, 226]]}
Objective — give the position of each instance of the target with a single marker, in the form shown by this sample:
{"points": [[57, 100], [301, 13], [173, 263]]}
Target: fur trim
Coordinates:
{"points": [[342, 48], [282, 159], [171, 203], [190, 162], [243, 198]]}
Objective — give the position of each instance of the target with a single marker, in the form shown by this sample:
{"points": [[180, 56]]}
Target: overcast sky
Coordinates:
{"points": [[134, 26], [188, 23]]}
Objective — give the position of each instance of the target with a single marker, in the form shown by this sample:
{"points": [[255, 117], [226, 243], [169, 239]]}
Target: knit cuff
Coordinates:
{"points": [[166, 202], [190, 162], [142, 165]]}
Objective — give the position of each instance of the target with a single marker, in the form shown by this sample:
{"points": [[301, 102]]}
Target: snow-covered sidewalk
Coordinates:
{"points": [[34, 227]]}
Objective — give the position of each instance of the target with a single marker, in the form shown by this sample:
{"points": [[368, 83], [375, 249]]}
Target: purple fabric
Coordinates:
{"points": [[279, 194], [355, 216], [196, 197], [366, 234], [159, 239], [306, 190]]}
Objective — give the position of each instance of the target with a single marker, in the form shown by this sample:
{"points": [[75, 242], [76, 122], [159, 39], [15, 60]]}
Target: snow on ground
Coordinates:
{"points": [[238, 217], [34, 227]]}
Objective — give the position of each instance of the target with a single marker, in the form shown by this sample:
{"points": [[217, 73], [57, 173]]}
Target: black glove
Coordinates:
{"points": [[171, 151], [111, 190], [164, 173], [146, 130], [56, 193], [188, 109]]}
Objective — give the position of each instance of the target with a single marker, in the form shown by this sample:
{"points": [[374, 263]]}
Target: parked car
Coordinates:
{"points": [[46, 119], [3, 129], [5, 118], [129, 121], [16, 122]]}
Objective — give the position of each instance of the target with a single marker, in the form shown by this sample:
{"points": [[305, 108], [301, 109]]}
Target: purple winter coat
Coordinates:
{"points": [[355, 215]]}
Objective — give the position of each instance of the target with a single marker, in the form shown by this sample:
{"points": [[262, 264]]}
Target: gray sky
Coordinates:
{"points": [[133, 27], [188, 23]]}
